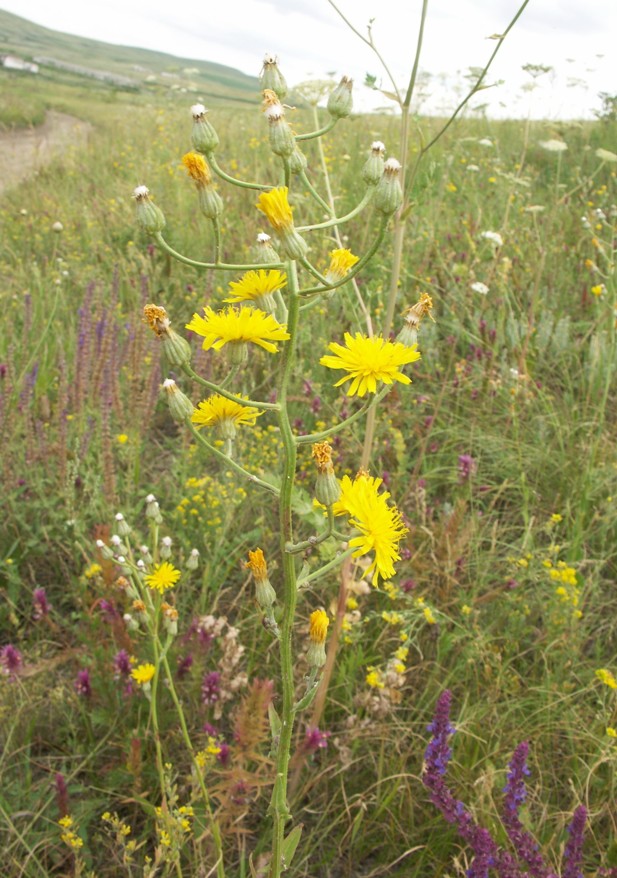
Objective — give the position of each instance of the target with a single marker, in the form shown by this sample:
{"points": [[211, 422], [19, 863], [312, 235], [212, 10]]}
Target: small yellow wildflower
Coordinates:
{"points": [[466, 610], [65, 822], [275, 205], [197, 168], [392, 617], [428, 615], [318, 626], [369, 360], [556, 518], [598, 289], [218, 411], [373, 679], [341, 263], [606, 677], [237, 326], [122, 438], [143, 674], [163, 577], [92, 571], [257, 286], [611, 732]]}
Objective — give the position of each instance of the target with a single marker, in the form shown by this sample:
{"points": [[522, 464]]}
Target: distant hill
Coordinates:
{"points": [[121, 67]]}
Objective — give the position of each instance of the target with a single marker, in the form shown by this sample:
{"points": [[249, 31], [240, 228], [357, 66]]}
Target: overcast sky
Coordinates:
{"points": [[575, 37]]}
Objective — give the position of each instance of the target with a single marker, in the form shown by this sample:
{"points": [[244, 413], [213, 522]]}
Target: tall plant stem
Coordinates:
{"points": [[278, 805]]}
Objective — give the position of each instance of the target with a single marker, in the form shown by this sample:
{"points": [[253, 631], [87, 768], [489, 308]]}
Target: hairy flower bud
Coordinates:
{"points": [[271, 77], [413, 317], [372, 171], [340, 101], [318, 630], [180, 406], [203, 136], [210, 202], [296, 161], [149, 216], [282, 141], [263, 252], [327, 488], [388, 194], [177, 350], [264, 592]]}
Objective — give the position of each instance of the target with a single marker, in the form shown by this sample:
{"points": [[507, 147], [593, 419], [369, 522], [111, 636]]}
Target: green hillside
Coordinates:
{"points": [[77, 61]]}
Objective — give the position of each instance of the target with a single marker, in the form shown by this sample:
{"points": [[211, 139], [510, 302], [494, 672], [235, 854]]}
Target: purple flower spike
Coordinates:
{"points": [[516, 793], [211, 688], [467, 466], [11, 660], [573, 853], [122, 664], [40, 604], [315, 739], [83, 686], [438, 753]]}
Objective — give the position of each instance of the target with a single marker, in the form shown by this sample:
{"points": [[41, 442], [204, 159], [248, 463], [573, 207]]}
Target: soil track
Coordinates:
{"points": [[24, 151]]}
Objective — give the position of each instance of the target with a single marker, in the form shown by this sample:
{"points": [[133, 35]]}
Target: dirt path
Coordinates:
{"points": [[24, 151]]}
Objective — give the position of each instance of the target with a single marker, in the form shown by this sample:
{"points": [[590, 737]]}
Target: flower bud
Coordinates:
{"points": [[123, 528], [413, 317], [264, 592], [192, 562], [318, 630], [327, 488], [210, 202], [271, 77], [176, 349], [340, 101], [264, 252], [165, 550], [292, 245], [282, 141], [170, 619], [180, 406], [106, 553], [296, 161], [372, 171], [203, 136], [145, 553], [152, 507], [388, 194], [149, 216], [131, 623]]}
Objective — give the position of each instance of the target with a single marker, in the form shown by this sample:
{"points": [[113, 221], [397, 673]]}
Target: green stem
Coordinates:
{"points": [[222, 266], [325, 434], [278, 805], [216, 226], [312, 270], [296, 548], [336, 220], [216, 833], [315, 194], [312, 134], [273, 406], [229, 461], [317, 574], [233, 180]]}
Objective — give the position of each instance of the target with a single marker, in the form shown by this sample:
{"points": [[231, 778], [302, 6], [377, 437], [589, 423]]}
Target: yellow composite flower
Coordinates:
{"points": [[218, 410], [197, 168], [318, 626], [369, 360], [164, 576], [380, 526], [275, 205], [254, 285], [238, 326], [142, 674], [606, 677], [341, 262]]}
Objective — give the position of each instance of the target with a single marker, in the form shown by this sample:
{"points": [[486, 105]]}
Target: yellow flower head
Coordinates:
{"points": [[163, 577], [255, 286], [156, 318], [422, 308], [373, 679], [341, 261], [218, 410], [238, 326], [318, 626], [380, 525], [122, 438], [257, 565], [322, 452], [606, 677], [142, 674], [369, 360], [275, 206], [197, 168]]}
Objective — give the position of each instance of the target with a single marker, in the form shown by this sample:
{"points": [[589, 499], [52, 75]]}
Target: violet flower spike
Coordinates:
{"points": [[573, 853], [524, 844]]}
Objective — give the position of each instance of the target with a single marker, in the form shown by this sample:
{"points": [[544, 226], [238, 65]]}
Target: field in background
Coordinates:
{"points": [[501, 455]]}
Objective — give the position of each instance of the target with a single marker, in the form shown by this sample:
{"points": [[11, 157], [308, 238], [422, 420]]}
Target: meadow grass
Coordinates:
{"points": [[501, 456]]}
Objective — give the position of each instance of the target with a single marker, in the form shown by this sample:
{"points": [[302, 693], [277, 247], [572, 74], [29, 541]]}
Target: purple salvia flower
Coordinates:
{"points": [[211, 687], [466, 467], [524, 844], [108, 610], [83, 686], [122, 664], [41, 606], [184, 665], [224, 755], [11, 660], [438, 753], [573, 853]]}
